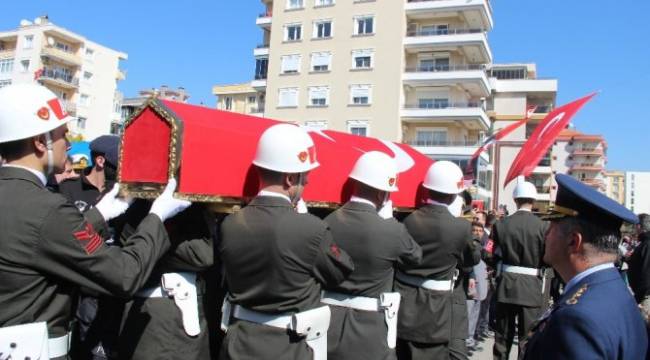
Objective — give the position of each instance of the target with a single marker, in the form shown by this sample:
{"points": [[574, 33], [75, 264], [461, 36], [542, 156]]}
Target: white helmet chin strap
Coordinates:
{"points": [[50, 154]]}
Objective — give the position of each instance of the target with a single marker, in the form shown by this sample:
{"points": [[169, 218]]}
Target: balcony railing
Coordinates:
{"points": [[443, 143], [265, 14], [467, 105], [438, 32], [543, 109], [543, 189], [59, 75], [257, 110], [445, 68], [260, 76], [262, 46]]}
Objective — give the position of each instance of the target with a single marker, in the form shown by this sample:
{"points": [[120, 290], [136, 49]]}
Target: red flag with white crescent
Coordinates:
{"points": [[543, 137]]}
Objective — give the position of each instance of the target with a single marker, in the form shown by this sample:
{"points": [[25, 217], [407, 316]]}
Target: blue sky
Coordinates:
{"points": [[586, 44]]}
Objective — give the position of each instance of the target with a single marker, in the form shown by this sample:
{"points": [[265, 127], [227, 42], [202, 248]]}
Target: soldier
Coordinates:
{"points": [[276, 259], [425, 316], [47, 247], [364, 310], [519, 293], [639, 271], [596, 317]]}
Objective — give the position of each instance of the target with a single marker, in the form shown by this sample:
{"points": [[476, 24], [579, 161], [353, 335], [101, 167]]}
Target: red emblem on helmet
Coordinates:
{"points": [[43, 113], [460, 184], [391, 181], [303, 156]]}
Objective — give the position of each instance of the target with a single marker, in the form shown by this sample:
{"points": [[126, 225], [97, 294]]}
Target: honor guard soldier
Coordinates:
{"points": [[520, 289], [276, 259], [425, 316], [47, 247], [364, 308], [596, 317]]}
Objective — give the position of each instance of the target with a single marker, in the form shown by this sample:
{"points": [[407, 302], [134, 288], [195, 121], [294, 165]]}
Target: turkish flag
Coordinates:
{"points": [[543, 137]]}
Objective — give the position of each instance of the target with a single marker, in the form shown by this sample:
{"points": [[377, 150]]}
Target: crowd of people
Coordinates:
{"points": [[91, 274]]}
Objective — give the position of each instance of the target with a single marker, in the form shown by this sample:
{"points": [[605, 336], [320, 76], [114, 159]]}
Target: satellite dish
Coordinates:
{"points": [[24, 22], [50, 41]]}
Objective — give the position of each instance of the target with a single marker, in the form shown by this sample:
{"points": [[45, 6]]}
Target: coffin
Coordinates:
{"points": [[210, 153]]}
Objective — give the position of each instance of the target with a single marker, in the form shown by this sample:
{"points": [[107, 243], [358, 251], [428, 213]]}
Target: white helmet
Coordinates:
{"points": [[524, 190], [28, 110], [286, 148], [376, 169], [444, 177]]}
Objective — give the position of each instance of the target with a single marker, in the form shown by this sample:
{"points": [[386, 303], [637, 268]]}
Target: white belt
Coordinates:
{"points": [[437, 285], [312, 324], [31, 341], [520, 270], [387, 302], [180, 286]]}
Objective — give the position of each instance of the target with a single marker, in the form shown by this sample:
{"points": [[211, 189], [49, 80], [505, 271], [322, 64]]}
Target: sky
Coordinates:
{"points": [[588, 45]]}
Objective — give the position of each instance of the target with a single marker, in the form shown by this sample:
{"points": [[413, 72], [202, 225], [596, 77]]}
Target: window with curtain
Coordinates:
{"points": [[290, 64], [288, 97], [320, 61]]}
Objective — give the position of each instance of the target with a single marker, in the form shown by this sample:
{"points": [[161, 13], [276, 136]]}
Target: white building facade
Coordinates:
{"points": [[637, 191]]}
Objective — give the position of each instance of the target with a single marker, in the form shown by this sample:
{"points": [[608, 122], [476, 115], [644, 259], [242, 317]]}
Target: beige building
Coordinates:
{"points": [[637, 191], [615, 185], [82, 73], [582, 156]]}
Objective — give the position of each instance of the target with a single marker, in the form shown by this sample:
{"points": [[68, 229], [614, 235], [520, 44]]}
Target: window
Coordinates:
{"points": [[293, 32], [88, 75], [4, 83], [81, 123], [62, 46], [227, 103], [24, 65], [90, 53], [322, 29], [252, 99], [29, 42], [316, 125], [319, 95], [360, 94], [84, 100], [362, 59], [288, 97], [116, 128], [364, 25], [430, 137], [295, 4], [427, 30], [320, 61], [6, 66], [290, 64], [261, 68], [358, 127], [324, 2]]}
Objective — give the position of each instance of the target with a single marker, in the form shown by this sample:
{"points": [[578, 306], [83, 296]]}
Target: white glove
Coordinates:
{"points": [[301, 207], [110, 206], [386, 211], [166, 206]]}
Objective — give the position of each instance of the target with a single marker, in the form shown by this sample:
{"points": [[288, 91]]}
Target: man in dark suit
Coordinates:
{"points": [[639, 270], [596, 317], [519, 292], [364, 310], [425, 316], [275, 259]]}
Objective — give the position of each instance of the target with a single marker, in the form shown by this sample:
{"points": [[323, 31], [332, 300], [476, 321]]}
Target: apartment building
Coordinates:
{"points": [[615, 185], [582, 156], [412, 71], [128, 106], [637, 191], [82, 73]]}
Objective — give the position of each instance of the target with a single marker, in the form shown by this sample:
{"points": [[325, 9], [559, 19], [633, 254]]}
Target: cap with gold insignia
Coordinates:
{"points": [[577, 199]]}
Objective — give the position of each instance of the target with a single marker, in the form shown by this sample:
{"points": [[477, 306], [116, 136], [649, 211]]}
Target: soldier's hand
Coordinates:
{"points": [[166, 206], [111, 206]]}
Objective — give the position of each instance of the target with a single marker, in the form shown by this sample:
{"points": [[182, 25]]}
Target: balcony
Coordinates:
{"points": [[447, 148], [64, 57], [264, 20], [7, 53], [476, 12], [470, 77], [472, 42], [589, 167], [261, 50], [588, 152], [259, 84], [471, 113], [59, 78]]}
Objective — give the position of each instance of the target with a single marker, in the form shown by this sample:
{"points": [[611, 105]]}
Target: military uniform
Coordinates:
{"points": [[594, 319], [152, 327], [48, 249], [376, 245], [425, 316], [519, 292], [275, 261]]}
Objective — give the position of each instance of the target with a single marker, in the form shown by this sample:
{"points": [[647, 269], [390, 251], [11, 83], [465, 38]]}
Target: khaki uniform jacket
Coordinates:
{"points": [[425, 316], [520, 237], [152, 328], [376, 246], [48, 249], [274, 262]]}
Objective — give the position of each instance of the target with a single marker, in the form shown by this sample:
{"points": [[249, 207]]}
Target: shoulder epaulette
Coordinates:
{"points": [[576, 296]]}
